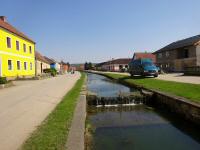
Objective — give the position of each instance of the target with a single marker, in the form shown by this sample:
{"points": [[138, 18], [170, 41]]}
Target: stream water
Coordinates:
{"points": [[138, 127]]}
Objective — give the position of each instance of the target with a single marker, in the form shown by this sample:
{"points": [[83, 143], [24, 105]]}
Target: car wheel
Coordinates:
{"points": [[155, 75]]}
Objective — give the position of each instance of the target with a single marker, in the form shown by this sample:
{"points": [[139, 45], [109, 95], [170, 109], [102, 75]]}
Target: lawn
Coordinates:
{"points": [[53, 132], [186, 90]]}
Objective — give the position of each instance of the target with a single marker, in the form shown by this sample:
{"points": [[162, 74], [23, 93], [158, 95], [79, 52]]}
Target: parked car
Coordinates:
{"points": [[143, 67], [159, 70]]}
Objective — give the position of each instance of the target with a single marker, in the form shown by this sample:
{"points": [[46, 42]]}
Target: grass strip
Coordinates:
{"points": [[186, 90], [52, 133]]}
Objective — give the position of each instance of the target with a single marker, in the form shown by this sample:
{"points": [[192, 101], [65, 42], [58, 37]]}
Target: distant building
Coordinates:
{"points": [[53, 64], [114, 65], [144, 55], [40, 63], [17, 52], [77, 67], [64, 67], [98, 66], [180, 55]]}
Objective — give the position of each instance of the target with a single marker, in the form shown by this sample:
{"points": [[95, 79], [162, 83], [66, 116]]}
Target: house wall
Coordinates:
{"points": [[56, 66], [198, 54], [113, 67], [170, 61], [40, 68], [16, 55]]}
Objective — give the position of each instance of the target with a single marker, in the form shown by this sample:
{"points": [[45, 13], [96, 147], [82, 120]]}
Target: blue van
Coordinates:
{"points": [[144, 67]]}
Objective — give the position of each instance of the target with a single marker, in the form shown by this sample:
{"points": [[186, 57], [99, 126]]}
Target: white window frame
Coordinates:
{"points": [[16, 45], [10, 42], [25, 68], [167, 53], [31, 66], [159, 55], [24, 48], [30, 49], [11, 65], [19, 65]]}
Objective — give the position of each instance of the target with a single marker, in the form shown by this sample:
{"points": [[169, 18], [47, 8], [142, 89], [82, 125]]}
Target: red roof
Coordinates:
{"points": [[5, 25], [39, 57], [119, 61], [144, 55]]}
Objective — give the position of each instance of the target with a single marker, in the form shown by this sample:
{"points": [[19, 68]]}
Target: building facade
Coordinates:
{"points": [[40, 64], [17, 52], [64, 67], [144, 56], [115, 65], [180, 55], [53, 64]]}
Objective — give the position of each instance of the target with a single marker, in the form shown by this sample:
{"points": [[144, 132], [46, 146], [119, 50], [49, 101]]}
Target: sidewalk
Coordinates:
{"points": [[24, 106]]}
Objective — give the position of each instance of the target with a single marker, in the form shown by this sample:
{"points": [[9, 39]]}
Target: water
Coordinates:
{"points": [[136, 127], [104, 86]]}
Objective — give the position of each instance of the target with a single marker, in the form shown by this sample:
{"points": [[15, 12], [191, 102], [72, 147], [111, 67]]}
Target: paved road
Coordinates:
{"points": [[24, 106], [177, 77]]}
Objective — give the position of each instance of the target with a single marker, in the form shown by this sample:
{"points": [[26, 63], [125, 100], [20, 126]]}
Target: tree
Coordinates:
{"points": [[86, 66]]}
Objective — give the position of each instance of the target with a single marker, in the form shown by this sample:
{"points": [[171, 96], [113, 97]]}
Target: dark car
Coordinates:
{"points": [[144, 67]]}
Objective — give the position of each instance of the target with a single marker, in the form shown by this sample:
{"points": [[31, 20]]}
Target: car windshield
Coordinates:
{"points": [[147, 63]]}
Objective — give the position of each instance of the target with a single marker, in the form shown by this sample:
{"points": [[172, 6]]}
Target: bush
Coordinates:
{"points": [[52, 71], [3, 80]]}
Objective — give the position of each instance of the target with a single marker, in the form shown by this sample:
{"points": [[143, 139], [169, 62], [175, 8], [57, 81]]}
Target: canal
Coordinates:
{"points": [[135, 127]]}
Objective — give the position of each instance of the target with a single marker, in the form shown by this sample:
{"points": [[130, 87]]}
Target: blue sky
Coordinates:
{"points": [[98, 30]]}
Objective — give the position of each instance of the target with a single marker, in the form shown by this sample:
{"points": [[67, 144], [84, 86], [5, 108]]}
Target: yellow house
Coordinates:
{"points": [[17, 52]]}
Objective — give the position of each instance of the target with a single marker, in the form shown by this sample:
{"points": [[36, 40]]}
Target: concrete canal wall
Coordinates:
{"points": [[182, 107], [76, 137]]}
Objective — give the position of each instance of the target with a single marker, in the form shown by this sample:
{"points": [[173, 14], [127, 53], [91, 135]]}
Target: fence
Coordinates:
{"points": [[192, 70]]}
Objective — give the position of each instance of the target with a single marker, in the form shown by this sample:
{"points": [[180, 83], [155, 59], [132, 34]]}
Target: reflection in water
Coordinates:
{"points": [[105, 87], [138, 127]]}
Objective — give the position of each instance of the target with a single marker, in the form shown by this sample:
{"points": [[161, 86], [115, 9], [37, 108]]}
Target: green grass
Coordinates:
{"points": [[186, 90], [52, 133]]}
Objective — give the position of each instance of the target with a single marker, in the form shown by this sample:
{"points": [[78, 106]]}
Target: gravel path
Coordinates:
{"points": [[24, 106], [179, 77]]}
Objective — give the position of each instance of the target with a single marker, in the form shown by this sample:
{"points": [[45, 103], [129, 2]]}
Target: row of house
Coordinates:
{"points": [[121, 64], [18, 57], [179, 56]]}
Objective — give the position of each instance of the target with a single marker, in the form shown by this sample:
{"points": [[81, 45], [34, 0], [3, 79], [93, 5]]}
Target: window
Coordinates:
{"points": [[24, 45], [30, 49], [167, 54], [8, 42], [182, 53], [9, 64], [186, 53], [159, 55], [18, 65], [31, 66], [25, 65], [17, 45]]}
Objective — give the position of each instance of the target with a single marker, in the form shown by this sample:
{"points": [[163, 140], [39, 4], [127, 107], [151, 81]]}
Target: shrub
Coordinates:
{"points": [[3, 80], [52, 71]]}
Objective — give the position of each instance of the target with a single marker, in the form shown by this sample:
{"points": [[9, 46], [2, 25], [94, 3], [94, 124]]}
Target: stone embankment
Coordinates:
{"points": [[182, 107]]}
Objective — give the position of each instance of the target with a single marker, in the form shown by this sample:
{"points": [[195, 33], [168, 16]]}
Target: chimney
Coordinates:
{"points": [[3, 18]]}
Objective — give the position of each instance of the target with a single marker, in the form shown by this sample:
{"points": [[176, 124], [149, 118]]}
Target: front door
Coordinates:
{"points": [[41, 68]]}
